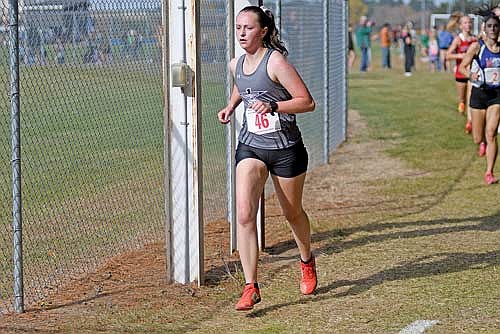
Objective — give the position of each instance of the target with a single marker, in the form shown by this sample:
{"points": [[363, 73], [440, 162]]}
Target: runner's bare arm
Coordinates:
{"points": [[452, 50]]}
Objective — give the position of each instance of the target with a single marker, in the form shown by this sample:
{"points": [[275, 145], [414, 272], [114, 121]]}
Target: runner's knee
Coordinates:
{"points": [[246, 216], [491, 135]]}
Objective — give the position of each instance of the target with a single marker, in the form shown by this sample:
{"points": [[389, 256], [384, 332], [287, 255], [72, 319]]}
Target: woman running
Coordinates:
{"points": [[456, 51], [269, 142], [483, 57]]}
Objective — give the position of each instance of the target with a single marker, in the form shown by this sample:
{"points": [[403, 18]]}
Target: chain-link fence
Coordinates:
{"points": [[214, 69], [304, 34], [92, 138], [92, 126]]}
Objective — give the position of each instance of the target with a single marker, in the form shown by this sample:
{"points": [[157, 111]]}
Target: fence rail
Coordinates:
{"points": [[90, 116]]}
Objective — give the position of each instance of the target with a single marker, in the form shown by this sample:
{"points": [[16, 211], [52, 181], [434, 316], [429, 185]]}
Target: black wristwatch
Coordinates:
{"points": [[274, 107]]}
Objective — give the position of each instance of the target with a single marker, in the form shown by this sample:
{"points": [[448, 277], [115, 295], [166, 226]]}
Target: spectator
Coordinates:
{"points": [[424, 44], [444, 39], [409, 51], [363, 41], [385, 41], [433, 52], [60, 52]]}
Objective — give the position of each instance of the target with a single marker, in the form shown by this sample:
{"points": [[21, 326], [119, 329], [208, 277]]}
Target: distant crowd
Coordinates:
{"points": [[431, 45], [452, 47]]}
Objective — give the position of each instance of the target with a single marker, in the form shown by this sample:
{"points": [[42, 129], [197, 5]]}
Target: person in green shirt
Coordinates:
{"points": [[363, 40], [424, 43]]}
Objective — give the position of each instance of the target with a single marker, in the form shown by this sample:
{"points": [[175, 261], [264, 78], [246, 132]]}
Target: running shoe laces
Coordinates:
{"points": [[249, 297], [489, 178], [309, 279]]}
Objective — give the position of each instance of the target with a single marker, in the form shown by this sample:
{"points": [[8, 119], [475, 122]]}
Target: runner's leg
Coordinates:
{"points": [[478, 124], [251, 175], [289, 192], [492, 119]]}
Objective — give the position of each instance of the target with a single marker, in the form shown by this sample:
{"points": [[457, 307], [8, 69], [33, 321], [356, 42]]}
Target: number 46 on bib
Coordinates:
{"points": [[262, 123]]}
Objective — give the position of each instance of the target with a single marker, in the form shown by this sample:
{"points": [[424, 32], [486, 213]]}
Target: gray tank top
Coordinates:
{"points": [[258, 86]]}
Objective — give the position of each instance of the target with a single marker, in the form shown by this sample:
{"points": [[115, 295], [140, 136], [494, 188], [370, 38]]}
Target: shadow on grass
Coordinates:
{"points": [[378, 226], [437, 264], [453, 225], [485, 223], [89, 299]]}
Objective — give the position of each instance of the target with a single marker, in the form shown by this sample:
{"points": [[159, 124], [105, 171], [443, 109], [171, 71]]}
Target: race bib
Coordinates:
{"points": [[262, 123], [492, 76]]}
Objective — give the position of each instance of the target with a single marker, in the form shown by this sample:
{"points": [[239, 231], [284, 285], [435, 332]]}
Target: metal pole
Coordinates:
{"points": [[185, 141], [187, 180], [42, 46], [166, 138], [230, 132], [422, 17], [16, 155], [326, 105], [73, 34], [278, 17], [261, 217], [346, 84], [197, 133]]}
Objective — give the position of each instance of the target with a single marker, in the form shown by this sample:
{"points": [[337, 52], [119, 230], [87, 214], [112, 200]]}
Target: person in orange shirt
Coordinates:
{"points": [[385, 41]]}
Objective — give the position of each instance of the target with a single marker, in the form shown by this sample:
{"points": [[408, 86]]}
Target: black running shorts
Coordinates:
{"points": [[482, 98], [285, 162]]}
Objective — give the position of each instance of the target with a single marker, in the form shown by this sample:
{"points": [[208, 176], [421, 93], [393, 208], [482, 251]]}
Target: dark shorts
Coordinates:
{"points": [[482, 98], [286, 162], [462, 80]]}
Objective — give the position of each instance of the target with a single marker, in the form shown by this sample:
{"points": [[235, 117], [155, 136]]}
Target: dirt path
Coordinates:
{"points": [[336, 196]]}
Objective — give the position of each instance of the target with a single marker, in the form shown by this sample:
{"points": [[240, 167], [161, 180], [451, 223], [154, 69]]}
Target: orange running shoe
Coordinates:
{"points": [[489, 178], [468, 127], [482, 149], [461, 107], [249, 297], [309, 279]]}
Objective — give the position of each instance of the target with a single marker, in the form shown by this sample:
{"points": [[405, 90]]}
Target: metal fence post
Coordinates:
{"points": [[185, 141], [16, 155], [326, 95], [346, 37], [230, 131], [166, 138], [278, 15]]}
